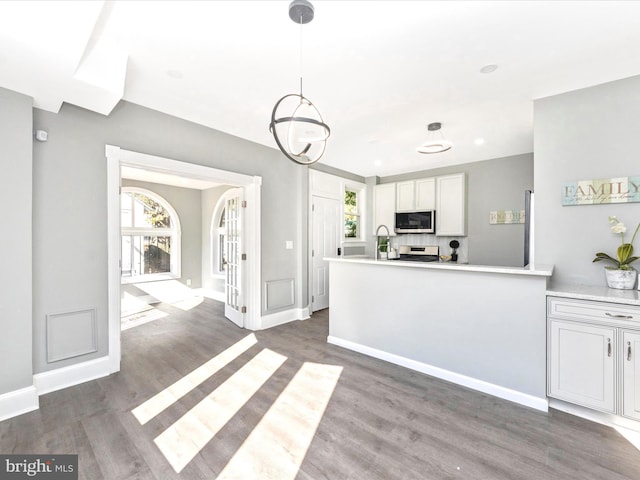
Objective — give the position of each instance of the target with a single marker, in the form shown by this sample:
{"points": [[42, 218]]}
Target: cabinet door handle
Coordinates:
{"points": [[608, 347], [626, 317], [628, 351]]}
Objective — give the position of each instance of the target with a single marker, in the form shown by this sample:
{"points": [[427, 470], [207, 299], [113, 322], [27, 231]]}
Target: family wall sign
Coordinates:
{"points": [[605, 190]]}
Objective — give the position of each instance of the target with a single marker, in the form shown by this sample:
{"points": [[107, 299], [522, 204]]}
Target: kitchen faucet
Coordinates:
{"points": [[378, 240]]}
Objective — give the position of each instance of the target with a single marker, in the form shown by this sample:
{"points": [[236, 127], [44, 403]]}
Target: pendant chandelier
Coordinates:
{"points": [[436, 143], [296, 124]]}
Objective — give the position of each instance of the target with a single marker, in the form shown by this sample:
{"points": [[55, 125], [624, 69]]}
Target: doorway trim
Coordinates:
{"points": [[117, 157]]}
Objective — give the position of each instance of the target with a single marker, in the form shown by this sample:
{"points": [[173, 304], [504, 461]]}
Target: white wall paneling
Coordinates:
{"points": [[279, 293], [71, 334]]}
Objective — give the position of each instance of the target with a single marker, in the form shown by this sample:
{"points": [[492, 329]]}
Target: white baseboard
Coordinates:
{"points": [[18, 402], [64, 377], [280, 318], [525, 399], [608, 419], [210, 293]]}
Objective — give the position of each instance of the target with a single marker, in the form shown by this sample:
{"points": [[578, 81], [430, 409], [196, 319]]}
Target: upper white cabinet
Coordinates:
{"points": [[384, 206], [416, 195], [426, 194], [405, 196], [451, 205]]}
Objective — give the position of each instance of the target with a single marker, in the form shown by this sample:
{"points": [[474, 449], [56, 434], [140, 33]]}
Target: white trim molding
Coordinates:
{"points": [[116, 157], [286, 316], [525, 399], [72, 375], [18, 402]]}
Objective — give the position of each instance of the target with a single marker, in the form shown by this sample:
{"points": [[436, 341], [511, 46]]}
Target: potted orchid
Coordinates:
{"points": [[621, 275]]}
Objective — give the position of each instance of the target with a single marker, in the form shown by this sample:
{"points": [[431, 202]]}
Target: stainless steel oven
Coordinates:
{"points": [[419, 253]]}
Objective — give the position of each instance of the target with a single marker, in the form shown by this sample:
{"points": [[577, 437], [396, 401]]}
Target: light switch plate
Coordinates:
{"points": [[288, 245]]}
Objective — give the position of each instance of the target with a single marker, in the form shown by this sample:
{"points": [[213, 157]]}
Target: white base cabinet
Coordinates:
{"points": [[582, 367], [631, 374], [594, 355]]}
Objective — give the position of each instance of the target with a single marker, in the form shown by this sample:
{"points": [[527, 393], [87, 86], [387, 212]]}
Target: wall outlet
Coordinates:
{"points": [[188, 282], [288, 245]]}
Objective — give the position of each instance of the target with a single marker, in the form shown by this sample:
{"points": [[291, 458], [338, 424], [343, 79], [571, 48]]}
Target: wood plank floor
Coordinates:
{"points": [[382, 421]]}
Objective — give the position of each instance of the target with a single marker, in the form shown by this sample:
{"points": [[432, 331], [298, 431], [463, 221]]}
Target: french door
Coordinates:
{"points": [[234, 308]]}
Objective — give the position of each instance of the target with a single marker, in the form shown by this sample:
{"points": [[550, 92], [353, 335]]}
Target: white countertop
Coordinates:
{"points": [[595, 292], [539, 270]]}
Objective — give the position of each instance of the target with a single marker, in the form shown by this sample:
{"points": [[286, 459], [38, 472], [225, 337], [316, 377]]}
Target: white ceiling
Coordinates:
{"points": [[378, 71]]}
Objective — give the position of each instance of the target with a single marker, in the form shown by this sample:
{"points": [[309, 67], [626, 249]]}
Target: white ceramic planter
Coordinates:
{"points": [[621, 279]]}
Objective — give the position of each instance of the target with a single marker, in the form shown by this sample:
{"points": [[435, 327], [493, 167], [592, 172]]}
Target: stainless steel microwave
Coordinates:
{"points": [[416, 222]]}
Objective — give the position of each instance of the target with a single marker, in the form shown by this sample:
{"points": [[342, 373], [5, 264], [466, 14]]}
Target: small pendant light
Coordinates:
{"points": [[436, 143]]}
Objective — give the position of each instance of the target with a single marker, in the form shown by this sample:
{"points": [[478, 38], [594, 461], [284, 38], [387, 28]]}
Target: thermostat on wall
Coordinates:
{"points": [[41, 135]]}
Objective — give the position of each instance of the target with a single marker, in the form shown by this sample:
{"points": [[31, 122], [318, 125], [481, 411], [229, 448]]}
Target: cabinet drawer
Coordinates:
{"points": [[600, 312]]}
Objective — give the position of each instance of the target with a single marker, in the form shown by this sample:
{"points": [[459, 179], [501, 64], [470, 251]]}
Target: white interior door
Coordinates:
{"points": [[326, 217], [234, 308]]}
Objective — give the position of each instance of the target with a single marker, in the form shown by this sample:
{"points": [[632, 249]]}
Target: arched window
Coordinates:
{"points": [[150, 236]]}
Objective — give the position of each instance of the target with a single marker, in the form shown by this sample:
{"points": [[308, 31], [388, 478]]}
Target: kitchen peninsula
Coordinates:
{"points": [[479, 326]]}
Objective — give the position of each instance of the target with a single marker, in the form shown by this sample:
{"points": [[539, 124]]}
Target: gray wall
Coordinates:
{"points": [[16, 139], [496, 184], [70, 203], [186, 203], [583, 135]]}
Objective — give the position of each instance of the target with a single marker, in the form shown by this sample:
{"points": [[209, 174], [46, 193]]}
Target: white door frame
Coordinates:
{"points": [[116, 157]]}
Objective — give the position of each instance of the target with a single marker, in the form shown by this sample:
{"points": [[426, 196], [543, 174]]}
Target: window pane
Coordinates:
{"points": [[350, 199], [222, 252], [148, 213], [351, 229], [127, 247], [126, 213], [157, 255]]}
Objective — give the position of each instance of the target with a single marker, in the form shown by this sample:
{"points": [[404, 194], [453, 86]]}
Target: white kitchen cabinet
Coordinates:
{"points": [[582, 364], [384, 207], [416, 195], [631, 374], [594, 354], [425, 194], [451, 205], [406, 196]]}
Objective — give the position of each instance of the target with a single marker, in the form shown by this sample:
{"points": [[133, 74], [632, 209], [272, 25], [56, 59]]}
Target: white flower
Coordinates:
{"points": [[619, 228]]}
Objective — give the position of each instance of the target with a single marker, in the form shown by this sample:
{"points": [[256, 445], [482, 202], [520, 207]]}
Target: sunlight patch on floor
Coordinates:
{"points": [[131, 304], [631, 436], [187, 436], [167, 291], [147, 315], [179, 389], [277, 446], [188, 303], [172, 292]]}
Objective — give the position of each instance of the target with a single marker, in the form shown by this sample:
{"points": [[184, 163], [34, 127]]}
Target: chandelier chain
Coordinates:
{"points": [[301, 54]]}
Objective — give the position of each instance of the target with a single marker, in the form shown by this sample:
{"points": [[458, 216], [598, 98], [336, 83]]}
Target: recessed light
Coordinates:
{"points": [[377, 163], [479, 141], [489, 68], [175, 74]]}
